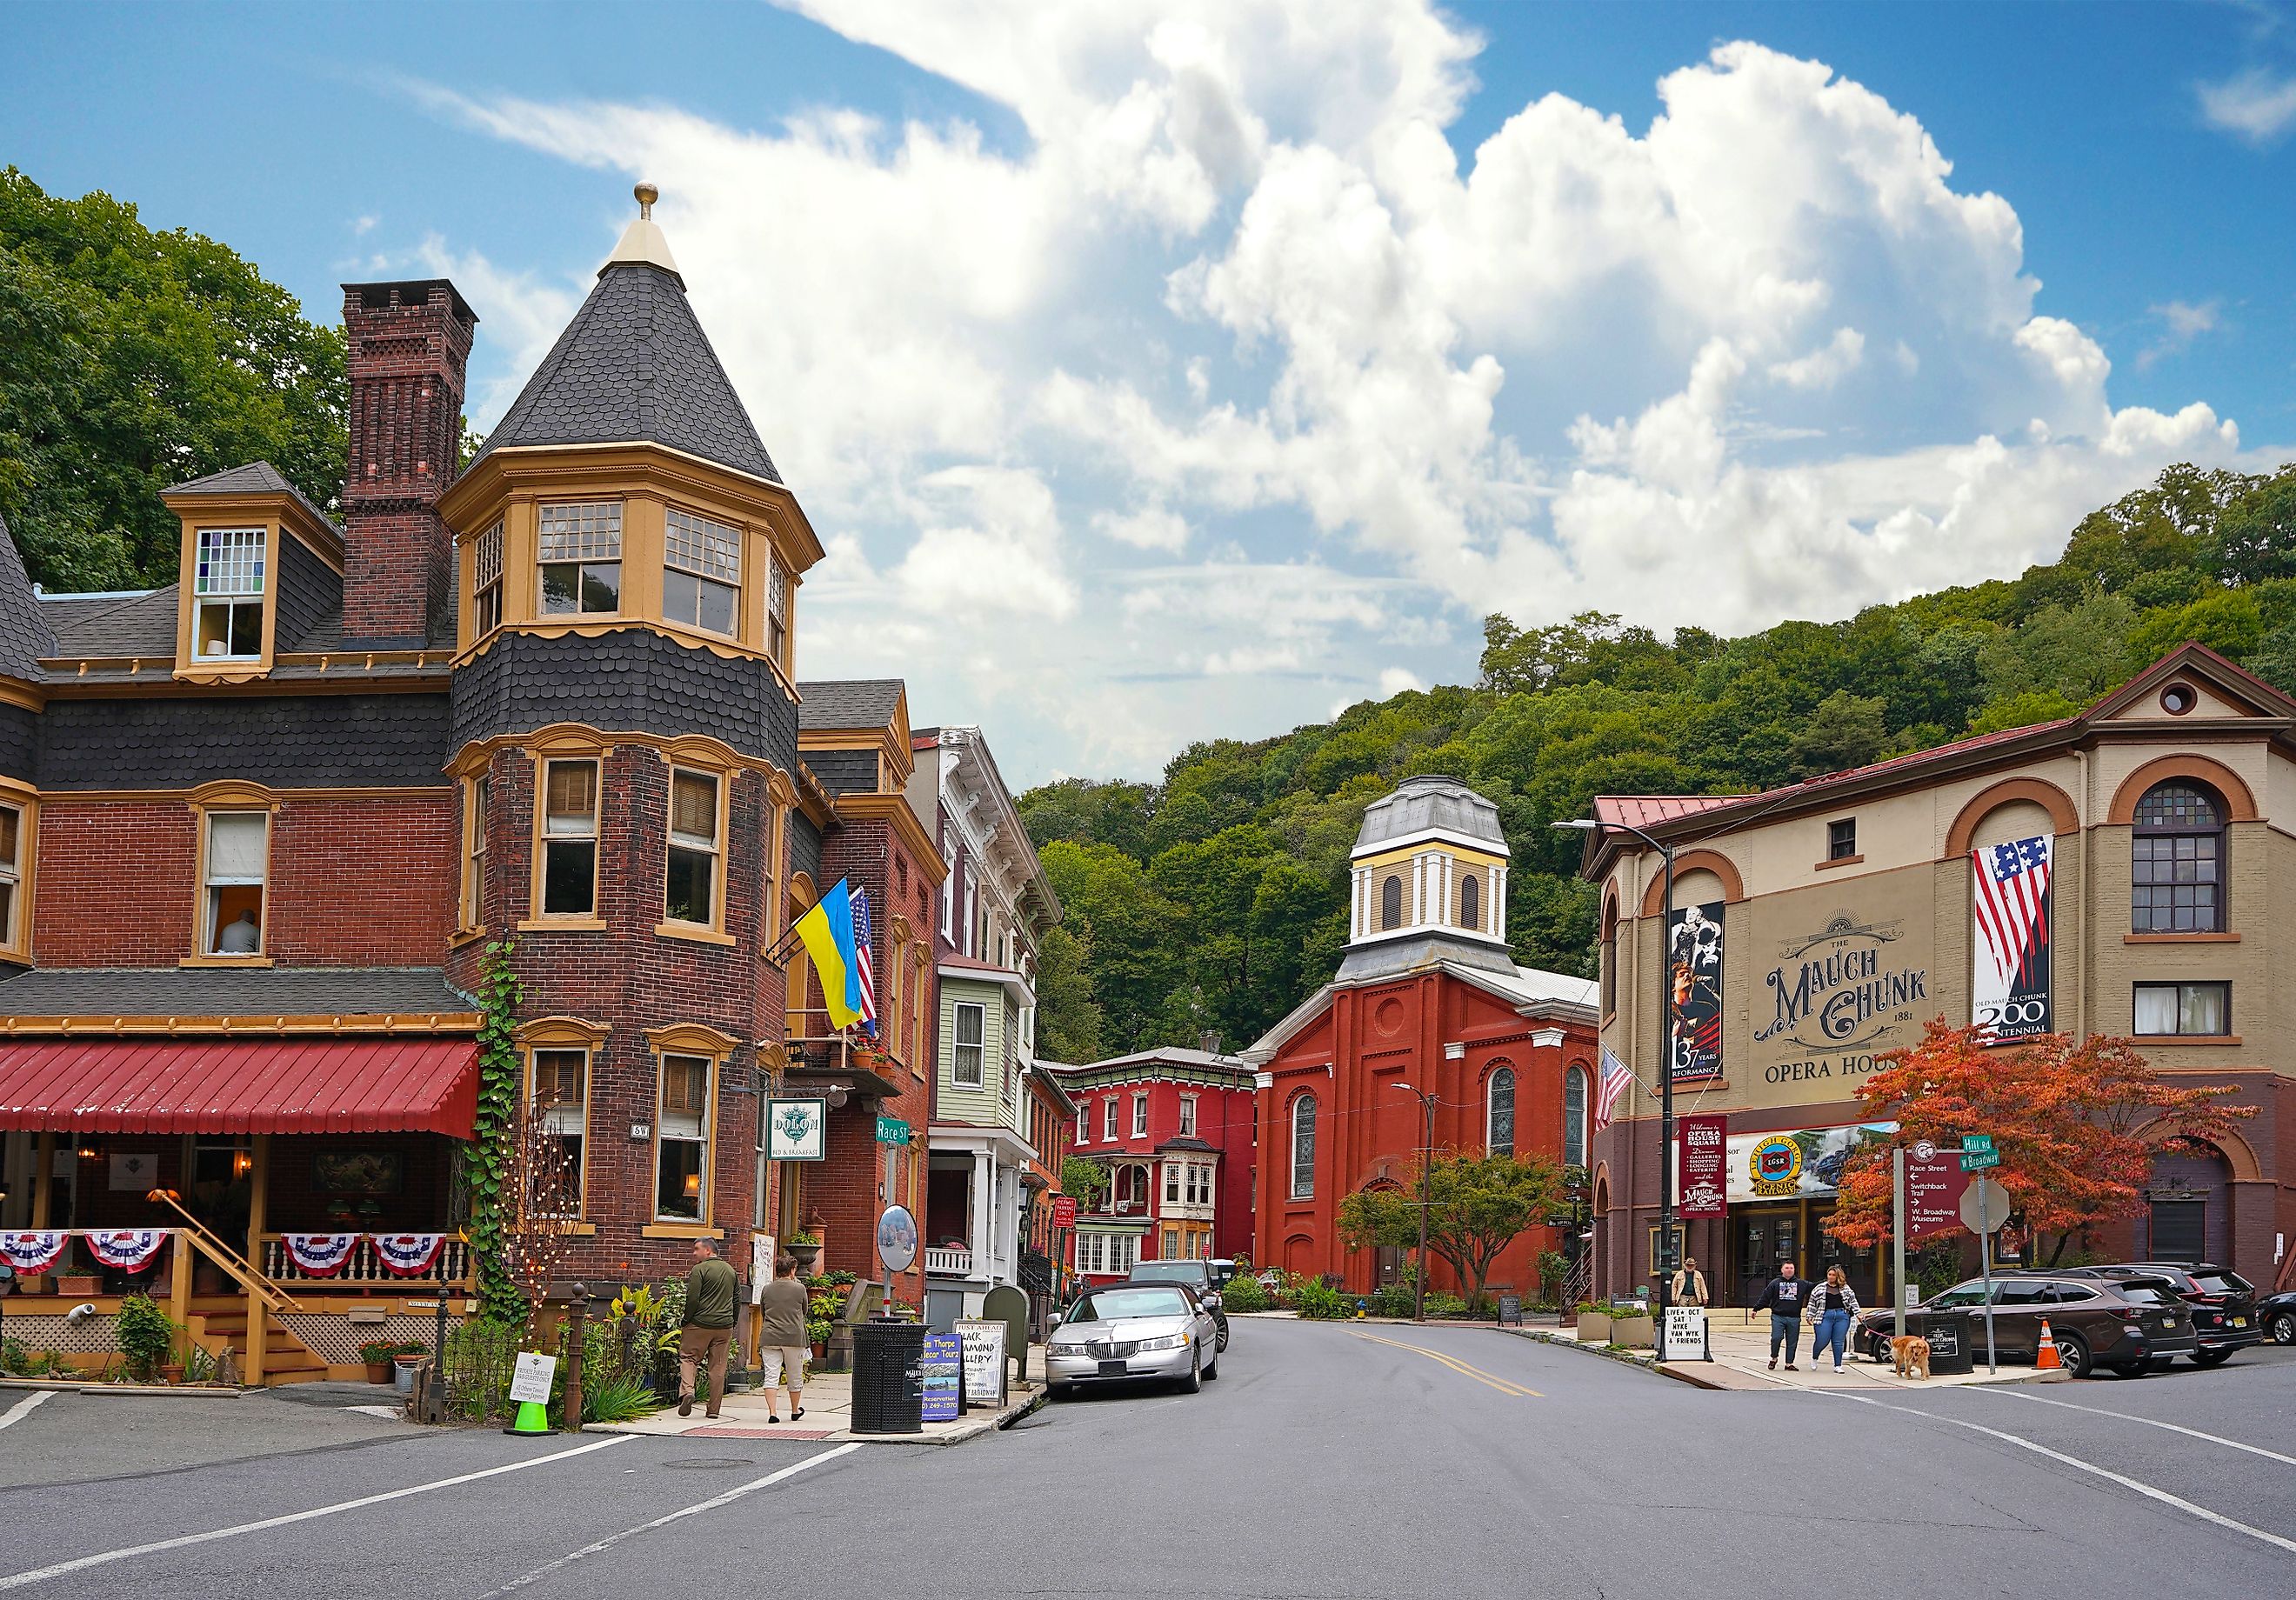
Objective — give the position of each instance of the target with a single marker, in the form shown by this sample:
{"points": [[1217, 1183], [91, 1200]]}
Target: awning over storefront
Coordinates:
{"points": [[240, 1085]]}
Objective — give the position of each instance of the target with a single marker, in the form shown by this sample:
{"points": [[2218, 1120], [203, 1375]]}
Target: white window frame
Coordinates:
{"points": [[1083, 1124], [957, 1047], [547, 838], [581, 1133], [230, 589], [1187, 1116], [1108, 1115], [1140, 1113], [693, 844], [1172, 1182]]}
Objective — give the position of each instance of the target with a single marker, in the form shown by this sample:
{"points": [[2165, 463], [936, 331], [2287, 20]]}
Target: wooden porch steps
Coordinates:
{"points": [[286, 1359]]}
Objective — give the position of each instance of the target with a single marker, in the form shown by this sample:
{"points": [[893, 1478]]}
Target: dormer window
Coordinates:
{"points": [[581, 553], [701, 572], [228, 591], [488, 616]]}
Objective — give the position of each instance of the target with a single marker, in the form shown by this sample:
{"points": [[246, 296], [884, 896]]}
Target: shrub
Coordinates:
{"points": [[480, 1356], [377, 1350], [1439, 1304], [1243, 1293], [622, 1397], [1317, 1300], [1553, 1271], [147, 1336], [13, 1358], [1393, 1300]]}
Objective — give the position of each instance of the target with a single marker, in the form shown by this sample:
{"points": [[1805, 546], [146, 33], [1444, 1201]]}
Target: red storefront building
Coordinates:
{"points": [[1175, 1128], [1427, 997]]}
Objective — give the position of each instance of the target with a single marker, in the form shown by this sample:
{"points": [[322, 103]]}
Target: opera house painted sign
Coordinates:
{"points": [[1844, 986]]}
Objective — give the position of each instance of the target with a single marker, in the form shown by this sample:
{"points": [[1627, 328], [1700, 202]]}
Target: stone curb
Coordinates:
{"points": [[145, 1390]]}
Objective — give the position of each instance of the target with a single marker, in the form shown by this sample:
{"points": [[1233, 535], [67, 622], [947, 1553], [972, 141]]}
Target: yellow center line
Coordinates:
{"points": [[1490, 1380]]}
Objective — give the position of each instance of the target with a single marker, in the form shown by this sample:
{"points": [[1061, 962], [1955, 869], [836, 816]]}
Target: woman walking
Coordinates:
{"points": [[1832, 1307], [781, 1338]]}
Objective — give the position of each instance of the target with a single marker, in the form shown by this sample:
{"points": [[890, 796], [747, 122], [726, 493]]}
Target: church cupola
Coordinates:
{"points": [[1428, 880]]}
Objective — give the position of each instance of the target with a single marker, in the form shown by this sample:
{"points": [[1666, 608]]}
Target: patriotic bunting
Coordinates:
{"points": [[407, 1255], [320, 1255], [35, 1251], [126, 1249]]}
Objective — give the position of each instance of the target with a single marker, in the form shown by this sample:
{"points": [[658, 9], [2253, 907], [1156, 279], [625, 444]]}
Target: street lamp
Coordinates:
{"points": [[1583, 825], [1426, 1175]]}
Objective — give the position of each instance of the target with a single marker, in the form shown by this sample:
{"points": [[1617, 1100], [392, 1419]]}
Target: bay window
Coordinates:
{"points": [[569, 839], [701, 572], [692, 895], [486, 568]]}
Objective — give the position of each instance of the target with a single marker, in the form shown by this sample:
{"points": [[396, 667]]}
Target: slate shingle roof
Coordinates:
{"points": [[230, 991], [255, 478], [634, 365], [138, 625], [849, 702], [24, 633]]}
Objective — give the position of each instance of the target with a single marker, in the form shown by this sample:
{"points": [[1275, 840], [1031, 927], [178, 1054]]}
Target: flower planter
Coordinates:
{"points": [[172, 1373], [378, 1371], [1595, 1327], [77, 1286], [1635, 1332]]}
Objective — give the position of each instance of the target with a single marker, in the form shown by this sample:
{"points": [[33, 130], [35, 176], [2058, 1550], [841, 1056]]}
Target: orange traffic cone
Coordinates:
{"points": [[2044, 1360]]}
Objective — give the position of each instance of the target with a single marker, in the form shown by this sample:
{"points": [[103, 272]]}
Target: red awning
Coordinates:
{"points": [[240, 1085]]}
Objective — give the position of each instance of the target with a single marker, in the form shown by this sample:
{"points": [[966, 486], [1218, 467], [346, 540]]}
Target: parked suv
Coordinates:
{"points": [[1197, 1276], [2275, 1314], [2224, 1304], [2128, 1325]]}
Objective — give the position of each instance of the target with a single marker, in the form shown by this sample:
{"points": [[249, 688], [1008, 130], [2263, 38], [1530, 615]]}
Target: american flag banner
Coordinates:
{"points": [[1615, 1079], [2009, 896], [868, 972]]}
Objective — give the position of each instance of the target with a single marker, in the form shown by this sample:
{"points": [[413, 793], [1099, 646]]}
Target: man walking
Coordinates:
{"points": [[712, 1291], [1783, 1297], [1689, 1284]]}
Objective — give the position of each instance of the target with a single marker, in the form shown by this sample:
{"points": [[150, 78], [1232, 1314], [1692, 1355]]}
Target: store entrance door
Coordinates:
{"points": [[1862, 1268], [1761, 1238]]}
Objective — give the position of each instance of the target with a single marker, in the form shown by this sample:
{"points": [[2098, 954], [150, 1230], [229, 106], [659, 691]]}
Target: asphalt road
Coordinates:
{"points": [[1325, 1461]]}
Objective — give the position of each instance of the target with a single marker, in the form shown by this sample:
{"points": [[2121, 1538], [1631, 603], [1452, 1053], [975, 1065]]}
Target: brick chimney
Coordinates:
{"points": [[406, 347]]}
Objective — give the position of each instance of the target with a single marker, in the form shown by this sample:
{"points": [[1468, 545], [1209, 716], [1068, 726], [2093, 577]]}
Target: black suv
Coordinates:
{"points": [[2128, 1325], [2223, 1302]]}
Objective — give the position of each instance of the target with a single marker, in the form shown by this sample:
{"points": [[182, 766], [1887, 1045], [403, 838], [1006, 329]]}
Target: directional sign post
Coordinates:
{"points": [[1984, 1208]]}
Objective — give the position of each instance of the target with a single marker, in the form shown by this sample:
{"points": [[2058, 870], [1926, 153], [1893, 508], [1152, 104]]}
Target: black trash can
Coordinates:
{"points": [[1954, 1336], [889, 1390]]}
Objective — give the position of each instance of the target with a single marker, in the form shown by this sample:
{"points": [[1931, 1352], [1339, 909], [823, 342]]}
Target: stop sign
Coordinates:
{"points": [[1065, 1213]]}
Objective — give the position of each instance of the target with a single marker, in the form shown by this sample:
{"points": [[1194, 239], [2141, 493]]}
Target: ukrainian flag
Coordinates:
{"points": [[827, 930]]}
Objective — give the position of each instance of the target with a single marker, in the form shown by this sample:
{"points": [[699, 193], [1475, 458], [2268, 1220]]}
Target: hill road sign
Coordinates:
{"points": [[1976, 1141]]}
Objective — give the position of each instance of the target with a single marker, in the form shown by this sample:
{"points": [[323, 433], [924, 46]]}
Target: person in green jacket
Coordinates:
{"points": [[712, 1291]]}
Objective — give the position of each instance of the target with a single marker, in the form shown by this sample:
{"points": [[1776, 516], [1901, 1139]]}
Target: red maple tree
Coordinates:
{"points": [[2077, 1126]]}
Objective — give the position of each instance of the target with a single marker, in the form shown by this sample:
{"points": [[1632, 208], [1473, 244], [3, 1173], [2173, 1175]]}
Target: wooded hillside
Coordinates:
{"points": [[1215, 899]]}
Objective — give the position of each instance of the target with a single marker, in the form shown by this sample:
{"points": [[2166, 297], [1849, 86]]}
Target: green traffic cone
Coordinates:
{"points": [[533, 1417]]}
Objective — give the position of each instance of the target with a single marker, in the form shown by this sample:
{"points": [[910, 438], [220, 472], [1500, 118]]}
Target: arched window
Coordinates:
{"points": [[1470, 902], [1610, 959], [1574, 1117], [1303, 1147], [1498, 1112], [2177, 861], [1391, 902]]}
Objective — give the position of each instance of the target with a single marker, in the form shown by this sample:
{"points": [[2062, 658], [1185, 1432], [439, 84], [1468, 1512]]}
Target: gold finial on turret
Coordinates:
{"points": [[647, 195]]}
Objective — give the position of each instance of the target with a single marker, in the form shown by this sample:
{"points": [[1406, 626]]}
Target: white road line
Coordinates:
{"points": [[25, 1407], [2230, 1444], [16, 1580], [2075, 1462], [711, 1504]]}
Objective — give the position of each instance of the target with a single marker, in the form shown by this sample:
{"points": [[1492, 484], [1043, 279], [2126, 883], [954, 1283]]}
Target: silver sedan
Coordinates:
{"points": [[1130, 1332]]}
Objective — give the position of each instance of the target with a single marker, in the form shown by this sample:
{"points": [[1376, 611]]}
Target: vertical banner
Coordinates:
{"points": [[1694, 967], [1704, 1149], [2009, 903]]}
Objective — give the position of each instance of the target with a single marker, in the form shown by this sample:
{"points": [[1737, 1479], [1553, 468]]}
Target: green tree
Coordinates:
{"points": [[1477, 1205], [1068, 1020], [130, 360], [1133, 931], [1083, 1180]]}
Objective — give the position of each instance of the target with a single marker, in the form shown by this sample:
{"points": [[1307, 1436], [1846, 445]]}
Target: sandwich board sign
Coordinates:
{"points": [[984, 1362], [1685, 1336], [943, 1372]]}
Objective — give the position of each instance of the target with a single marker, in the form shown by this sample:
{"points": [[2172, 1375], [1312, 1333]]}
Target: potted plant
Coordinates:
{"points": [[806, 1249], [1634, 1326], [379, 1355], [817, 1333], [406, 1358], [1593, 1323]]}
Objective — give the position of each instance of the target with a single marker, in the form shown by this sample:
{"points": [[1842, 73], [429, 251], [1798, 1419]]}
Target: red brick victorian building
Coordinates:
{"points": [[258, 828], [1427, 996]]}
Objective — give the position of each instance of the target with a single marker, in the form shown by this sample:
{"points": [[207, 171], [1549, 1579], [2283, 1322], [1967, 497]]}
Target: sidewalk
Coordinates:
{"points": [[829, 1414], [1742, 1355]]}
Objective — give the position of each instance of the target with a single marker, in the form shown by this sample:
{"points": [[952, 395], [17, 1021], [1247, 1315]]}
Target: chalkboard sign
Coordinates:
{"points": [[1510, 1309], [943, 1370]]}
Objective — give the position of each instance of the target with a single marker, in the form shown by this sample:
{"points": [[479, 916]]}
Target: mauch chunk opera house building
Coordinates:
{"points": [[2126, 872], [257, 827]]}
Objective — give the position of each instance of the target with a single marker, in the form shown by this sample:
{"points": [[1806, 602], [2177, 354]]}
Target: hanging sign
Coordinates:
{"points": [[984, 1362], [797, 1130], [407, 1255], [34, 1252], [1796, 1162], [531, 1377], [1694, 967], [320, 1255], [2009, 965], [125, 1249], [1703, 1148], [943, 1371]]}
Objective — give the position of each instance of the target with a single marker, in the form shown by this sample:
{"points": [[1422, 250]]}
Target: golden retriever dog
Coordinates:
{"points": [[1909, 1357]]}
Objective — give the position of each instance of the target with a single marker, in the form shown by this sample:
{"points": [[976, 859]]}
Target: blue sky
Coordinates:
{"points": [[1159, 372]]}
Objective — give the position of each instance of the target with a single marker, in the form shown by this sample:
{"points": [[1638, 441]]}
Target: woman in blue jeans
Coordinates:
{"points": [[1832, 1306]]}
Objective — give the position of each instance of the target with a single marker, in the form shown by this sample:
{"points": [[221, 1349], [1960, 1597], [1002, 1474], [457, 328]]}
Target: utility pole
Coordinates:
{"points": [[1426, 1192]]}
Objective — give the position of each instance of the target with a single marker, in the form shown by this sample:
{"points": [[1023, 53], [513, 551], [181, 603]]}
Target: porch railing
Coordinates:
{"points": [[365, 1267], [944, 1262]]}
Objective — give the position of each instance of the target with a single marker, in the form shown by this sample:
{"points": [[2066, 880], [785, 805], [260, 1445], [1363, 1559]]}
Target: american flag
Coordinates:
{"points": [[1615, 1079], [861, 958], [2012, 907]]}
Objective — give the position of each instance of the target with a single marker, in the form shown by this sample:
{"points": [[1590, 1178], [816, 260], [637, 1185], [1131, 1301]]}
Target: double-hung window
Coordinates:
{"points": [[777, 600], [579, 548], [1083, 1124], [238, 848], [562, 1094], [1139, 1116], [569, 839], [1200, 1184], [1108, 1117], [486, 581], [12, 873], [1187, 1116], [2197, 1008], [228, 588], [692, 882], [701, 572], [682, 1140], [474, 851], [969, 1059], [1172, 1182]]}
